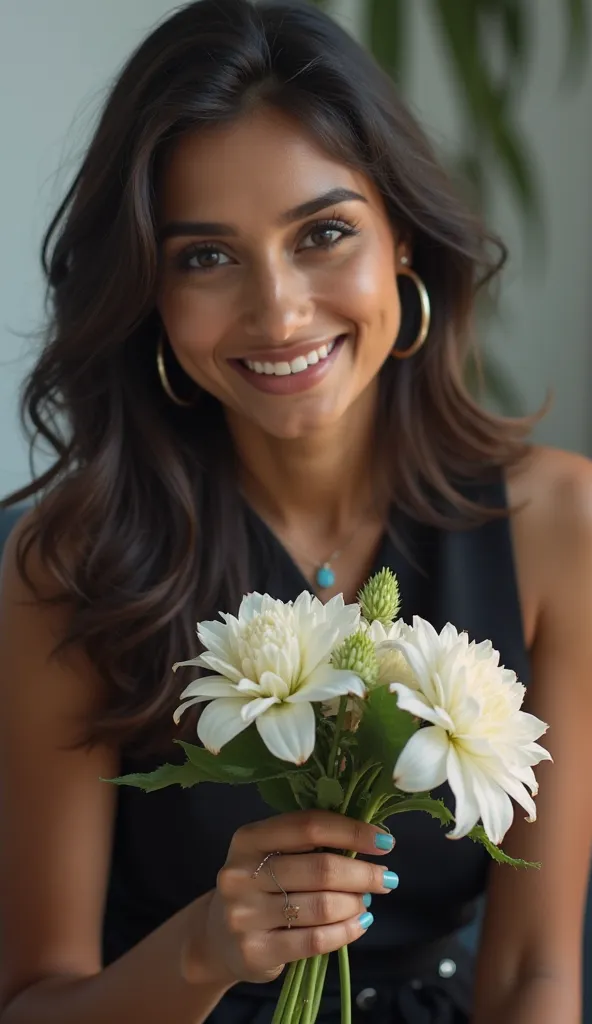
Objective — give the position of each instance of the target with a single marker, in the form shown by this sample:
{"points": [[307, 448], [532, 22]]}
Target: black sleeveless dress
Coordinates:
{"points": [[410, 966]]}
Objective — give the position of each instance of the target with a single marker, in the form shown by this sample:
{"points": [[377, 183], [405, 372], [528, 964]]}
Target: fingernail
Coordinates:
{"points": [[366, 920], [390, 880], [367, 900], [383, 841]]}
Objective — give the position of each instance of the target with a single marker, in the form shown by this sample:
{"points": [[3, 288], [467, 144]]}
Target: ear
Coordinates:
{"points": [[403, 252]]}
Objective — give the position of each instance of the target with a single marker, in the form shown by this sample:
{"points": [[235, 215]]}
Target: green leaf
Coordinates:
{"points": [[383, 732], [577, 13], [438, 809], [167, 775], [279, 795], [479, 835], [329, 793], [388, 34], [486, 101]]}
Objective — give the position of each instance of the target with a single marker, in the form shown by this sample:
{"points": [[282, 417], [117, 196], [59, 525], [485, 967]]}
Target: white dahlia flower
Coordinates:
{"points": [[271, 664], [478, 738]]}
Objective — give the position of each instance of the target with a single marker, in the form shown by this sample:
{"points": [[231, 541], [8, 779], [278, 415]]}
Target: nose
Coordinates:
{"points": [[279, 303]]}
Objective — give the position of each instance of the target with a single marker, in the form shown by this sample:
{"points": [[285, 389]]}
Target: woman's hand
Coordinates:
{"points": [[248, 933]]}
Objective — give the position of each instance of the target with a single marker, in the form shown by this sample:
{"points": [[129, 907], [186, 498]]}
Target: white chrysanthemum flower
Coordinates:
{"points": [[271, 665], [391, 663], [479, 739]]}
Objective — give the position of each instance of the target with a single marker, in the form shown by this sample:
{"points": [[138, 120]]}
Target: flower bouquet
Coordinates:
{"points": [[348, 708]]}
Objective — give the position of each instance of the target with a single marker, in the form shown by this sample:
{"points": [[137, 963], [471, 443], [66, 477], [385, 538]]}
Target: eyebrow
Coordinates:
{"points": [[308, 209]]}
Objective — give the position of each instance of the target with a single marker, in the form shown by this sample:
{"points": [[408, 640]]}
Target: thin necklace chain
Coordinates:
{"points": [[324, 575]]}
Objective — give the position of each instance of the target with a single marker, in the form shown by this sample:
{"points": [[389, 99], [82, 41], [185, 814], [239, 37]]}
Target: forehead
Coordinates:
{"points": [[262, 164]]}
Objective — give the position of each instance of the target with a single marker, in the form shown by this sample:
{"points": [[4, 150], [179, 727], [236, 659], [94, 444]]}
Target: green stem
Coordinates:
{"points": [[333, 765], [353, 782], [320, 986], [292, 999], [278, 1015], [374, 807], [310, 989], [345, 986]]}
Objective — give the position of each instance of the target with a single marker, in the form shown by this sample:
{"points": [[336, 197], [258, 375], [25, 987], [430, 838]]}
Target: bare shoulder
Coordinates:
{"points": [[57, 815], [551, 495], [553, 485]]}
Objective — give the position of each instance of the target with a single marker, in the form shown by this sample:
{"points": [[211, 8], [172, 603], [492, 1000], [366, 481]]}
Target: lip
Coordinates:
{"points": [[294, 382]]}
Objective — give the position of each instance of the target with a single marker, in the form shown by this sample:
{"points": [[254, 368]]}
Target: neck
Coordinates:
{"points": [[324, 482]]}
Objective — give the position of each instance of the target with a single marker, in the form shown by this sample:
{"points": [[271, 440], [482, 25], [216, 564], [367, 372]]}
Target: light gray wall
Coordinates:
{"points": [[55, 62]]}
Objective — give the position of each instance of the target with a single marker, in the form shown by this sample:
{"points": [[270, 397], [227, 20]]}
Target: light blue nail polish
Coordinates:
{"points": [[366, 920], [367, 900], [390, 880], [383, 841]]}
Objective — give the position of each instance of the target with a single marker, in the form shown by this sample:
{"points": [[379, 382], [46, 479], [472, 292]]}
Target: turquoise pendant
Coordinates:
{"points": [[325, 577]]}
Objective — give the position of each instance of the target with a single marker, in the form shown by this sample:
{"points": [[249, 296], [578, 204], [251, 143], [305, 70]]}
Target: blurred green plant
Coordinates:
{"points": [[488, 45]]}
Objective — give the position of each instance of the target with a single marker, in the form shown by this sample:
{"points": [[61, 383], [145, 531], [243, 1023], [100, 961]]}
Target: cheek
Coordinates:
{"points": [[193, 323], [369, 287]]}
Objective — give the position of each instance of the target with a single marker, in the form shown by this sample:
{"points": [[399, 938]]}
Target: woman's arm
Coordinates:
{"points": [[530, 959], [57, 824]]}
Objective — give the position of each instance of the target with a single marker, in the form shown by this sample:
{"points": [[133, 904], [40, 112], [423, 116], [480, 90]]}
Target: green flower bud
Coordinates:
{"points": [[357, 654], [379, 598]]}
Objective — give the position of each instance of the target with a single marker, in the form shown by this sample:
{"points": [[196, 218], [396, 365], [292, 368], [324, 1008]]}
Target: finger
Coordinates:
{"points": [[323, 872], [305, 910], [299, 943], [308, 830]]}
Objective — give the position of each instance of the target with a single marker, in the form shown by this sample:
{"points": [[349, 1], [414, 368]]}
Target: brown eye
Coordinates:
{"points": [[202, 257], [327, 234]]}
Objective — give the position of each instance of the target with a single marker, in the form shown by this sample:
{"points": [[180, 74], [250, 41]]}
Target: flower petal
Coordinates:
{"points": [[257, 707], [224, 668], [273, 685], [221, 721], [183, 707], [421, 765], [288, 731], [215, 637], [317, 646], [326, 682], [209, 687], [467, 811], [495, 805], [416, 704]]}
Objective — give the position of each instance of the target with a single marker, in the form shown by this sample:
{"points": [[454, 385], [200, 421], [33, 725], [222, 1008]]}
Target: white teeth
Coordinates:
{"points": [[297, 365]]}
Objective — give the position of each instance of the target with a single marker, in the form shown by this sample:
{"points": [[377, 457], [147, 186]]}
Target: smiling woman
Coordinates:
{"points": [[262, 288]]}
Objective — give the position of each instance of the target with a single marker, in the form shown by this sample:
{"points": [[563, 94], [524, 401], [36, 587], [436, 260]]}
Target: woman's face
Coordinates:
{"points": [[278, 284]]}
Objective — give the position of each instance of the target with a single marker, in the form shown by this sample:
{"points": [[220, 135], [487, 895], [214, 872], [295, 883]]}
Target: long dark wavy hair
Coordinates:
{"points": [[139, 517]]}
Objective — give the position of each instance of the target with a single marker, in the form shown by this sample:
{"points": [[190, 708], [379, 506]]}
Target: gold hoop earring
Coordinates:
{"points": [[164, 378], [426, 314]]}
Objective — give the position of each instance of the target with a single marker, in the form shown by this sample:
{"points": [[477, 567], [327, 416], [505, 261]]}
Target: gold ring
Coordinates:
{"points": [[290, 911]]}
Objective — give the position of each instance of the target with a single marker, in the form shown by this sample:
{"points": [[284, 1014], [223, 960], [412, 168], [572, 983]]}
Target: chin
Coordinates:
{"points": [[293, 428]]}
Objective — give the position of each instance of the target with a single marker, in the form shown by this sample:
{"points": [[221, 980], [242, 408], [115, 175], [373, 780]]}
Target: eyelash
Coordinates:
{"points": [[347, 229]]}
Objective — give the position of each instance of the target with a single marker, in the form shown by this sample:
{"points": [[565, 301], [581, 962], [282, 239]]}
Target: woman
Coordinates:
{"points": [[262, 290]]}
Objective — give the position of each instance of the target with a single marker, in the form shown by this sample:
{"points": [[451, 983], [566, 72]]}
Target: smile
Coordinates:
{"points": [[298, 365], [287, 377]]}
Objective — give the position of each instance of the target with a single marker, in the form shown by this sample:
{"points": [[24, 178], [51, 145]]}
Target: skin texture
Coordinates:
{"points": [[306, 468]]}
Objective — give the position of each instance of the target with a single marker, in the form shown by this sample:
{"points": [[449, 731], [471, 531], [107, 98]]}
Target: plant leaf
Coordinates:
{"points": [[167, 775], [279, 795], [485, 100], [479, 835], [329, 793], [577, 13], [388, 34], [438, 809], [383, 732]]}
